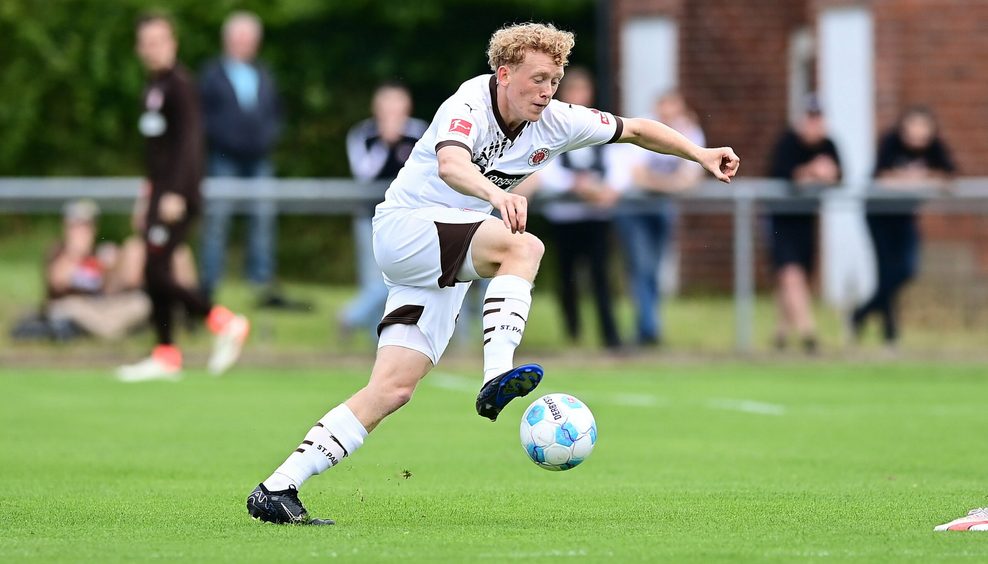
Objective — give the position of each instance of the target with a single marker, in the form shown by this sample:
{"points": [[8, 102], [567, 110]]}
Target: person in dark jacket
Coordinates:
{"points": [[243, 121], [805, 156], [912, 158], [169, 203]]}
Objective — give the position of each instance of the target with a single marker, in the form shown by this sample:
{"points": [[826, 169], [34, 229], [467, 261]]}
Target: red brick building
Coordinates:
{"points": [[744, 64]]}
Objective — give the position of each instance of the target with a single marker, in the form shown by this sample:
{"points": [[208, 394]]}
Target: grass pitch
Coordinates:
{"points": [[809, 462]]}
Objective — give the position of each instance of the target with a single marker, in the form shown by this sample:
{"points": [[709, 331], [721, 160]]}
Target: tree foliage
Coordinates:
{"points": [[70, 83]]}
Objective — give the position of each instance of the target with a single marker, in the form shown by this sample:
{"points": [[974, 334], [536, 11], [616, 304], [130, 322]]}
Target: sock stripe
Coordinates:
{"points": [[306, 442], [493, 300], [487, 340], [489, 311], [518, 315], [337, 441]]}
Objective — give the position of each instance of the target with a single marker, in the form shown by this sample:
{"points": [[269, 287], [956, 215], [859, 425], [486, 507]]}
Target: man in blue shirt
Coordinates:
{"points": [[243, 120]]}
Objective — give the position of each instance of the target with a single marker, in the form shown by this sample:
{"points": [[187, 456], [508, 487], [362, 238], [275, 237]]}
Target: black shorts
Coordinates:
{"points": [[793, 240]]}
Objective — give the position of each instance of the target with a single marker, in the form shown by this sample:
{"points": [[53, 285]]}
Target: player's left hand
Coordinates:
{"points": [[721, 162], [171, 207]]}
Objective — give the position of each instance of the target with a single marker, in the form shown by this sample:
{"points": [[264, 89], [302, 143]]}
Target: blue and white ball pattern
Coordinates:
{"points": [[558, 431]]}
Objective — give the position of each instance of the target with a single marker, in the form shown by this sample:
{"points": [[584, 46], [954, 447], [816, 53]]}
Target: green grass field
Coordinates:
{"points": [[695, 462]]}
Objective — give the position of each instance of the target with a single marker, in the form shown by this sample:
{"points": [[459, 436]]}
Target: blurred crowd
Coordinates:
{"points": [[227, 122]]}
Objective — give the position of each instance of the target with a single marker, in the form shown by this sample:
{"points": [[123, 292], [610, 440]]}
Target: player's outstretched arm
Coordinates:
{"points": [[460, 174], [660, 138]]}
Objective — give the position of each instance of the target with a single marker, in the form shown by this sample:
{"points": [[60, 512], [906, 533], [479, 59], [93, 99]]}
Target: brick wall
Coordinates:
{"points": [[734, 72], [933, 52]]}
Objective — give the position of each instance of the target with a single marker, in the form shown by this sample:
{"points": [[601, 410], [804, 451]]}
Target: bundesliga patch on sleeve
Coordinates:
{"points": [[460, 126], [603, 117]]}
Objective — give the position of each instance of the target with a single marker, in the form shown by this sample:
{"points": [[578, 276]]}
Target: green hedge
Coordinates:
{"points": [[70, 83]]}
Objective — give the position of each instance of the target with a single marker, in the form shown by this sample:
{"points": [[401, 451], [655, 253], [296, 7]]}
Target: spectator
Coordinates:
{"points": [[168, 204], [84, 290], [581, 228], [377, 148], [97, 289], [805, 156], [243, 120], [912, 158], [646, 232]]}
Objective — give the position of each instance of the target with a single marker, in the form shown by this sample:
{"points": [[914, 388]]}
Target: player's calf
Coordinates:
{"points": [[334, 437]]}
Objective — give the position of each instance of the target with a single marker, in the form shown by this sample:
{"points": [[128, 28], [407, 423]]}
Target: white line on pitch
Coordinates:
{"points": [[636, 400], [448, 381], [746, 406]]}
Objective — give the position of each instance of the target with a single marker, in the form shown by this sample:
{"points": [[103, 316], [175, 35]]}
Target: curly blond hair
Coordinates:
{"points": [[509, 44]]}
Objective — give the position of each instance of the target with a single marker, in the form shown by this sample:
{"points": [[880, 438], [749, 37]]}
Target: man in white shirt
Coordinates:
{"points": [[433, 234], [376, 149], [581, 224]]}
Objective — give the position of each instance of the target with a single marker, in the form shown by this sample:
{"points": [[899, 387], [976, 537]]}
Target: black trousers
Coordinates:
{"points": [[161, 240], [897, 241], [585, 242]]}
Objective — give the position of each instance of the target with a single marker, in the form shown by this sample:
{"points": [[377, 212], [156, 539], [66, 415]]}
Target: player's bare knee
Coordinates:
{"points": [[536, 247], [399, 396], [527, 248]]}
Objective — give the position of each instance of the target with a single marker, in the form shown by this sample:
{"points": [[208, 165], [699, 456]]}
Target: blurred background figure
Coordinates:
{"points": [[646, 230], [90, 289], [168, 204], [911, 158], [377, 148], [808, 158], [98, 288], [243, 120], [581, 226]]}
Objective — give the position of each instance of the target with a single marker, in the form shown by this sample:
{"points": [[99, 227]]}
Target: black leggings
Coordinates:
{"points": [[160, 241], [896, 240], [577, 242]]}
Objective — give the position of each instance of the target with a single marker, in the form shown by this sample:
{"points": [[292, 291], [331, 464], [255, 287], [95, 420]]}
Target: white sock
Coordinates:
{"points": [[506, 306], [337, 435]]}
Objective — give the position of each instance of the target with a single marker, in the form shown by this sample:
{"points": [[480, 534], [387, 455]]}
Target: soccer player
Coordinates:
{"points": [[434, 234], [169, 203]]}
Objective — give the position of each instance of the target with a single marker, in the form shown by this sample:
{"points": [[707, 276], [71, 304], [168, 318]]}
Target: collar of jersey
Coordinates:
{"points": [[511, 135]]}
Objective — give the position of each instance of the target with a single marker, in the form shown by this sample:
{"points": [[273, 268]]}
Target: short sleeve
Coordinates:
{"points": [[458, 123], [784, 158], [940, 157], [887, 153], [588, 126]]}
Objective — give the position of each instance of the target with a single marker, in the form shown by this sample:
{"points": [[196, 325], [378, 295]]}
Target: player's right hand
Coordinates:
{"points": [[513, 209]]}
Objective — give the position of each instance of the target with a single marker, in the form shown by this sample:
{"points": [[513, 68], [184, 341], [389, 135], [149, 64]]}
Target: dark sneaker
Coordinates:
{"points": [[514, 383], [282, 507]]}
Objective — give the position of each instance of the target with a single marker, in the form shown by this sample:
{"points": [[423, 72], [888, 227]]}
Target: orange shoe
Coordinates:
{"points": [[165, 363], [231, 332]]}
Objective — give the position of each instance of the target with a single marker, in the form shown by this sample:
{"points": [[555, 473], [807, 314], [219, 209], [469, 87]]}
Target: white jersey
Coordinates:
{"points": [[470, 118]]}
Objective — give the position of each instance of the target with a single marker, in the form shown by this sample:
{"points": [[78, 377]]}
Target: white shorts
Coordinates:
{"points": [[424, 254]]}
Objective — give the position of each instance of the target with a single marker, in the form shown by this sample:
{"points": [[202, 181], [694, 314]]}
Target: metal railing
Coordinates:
{"points": [[345, 196]]}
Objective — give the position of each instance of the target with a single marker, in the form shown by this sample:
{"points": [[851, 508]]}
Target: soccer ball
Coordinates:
{"points": [[558, 431]]}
